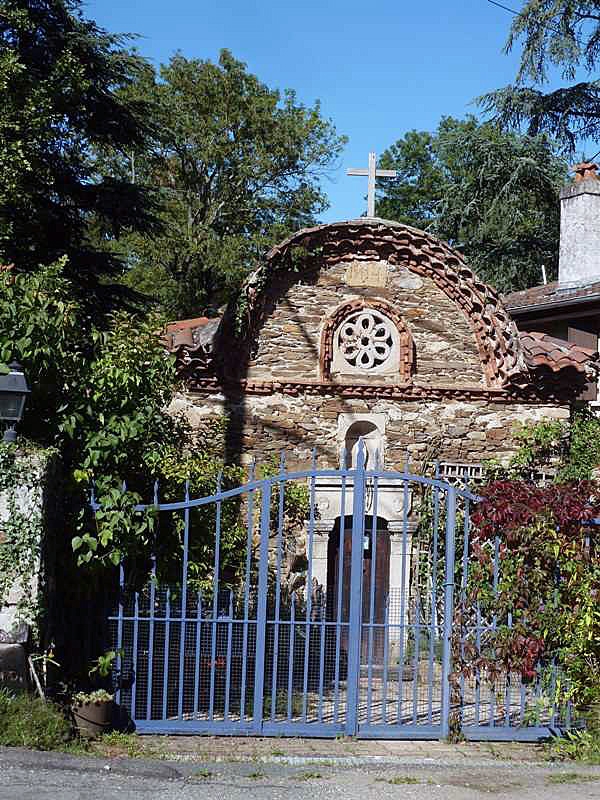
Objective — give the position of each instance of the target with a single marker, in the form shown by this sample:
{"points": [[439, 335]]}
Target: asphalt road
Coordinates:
{"points": [[39, 776]]}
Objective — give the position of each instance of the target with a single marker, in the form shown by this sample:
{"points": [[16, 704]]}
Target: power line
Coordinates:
{"points": [[517, 13], [505, 8]]}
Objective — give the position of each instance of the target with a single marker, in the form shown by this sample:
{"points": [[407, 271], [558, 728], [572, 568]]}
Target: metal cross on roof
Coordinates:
{"points": [[372, 172]]}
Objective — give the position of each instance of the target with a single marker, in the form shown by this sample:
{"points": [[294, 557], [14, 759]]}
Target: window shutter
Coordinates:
{"points": [[589, 340]]}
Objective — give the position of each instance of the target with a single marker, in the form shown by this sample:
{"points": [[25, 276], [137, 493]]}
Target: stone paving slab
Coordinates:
{"points": [[234, 748]]}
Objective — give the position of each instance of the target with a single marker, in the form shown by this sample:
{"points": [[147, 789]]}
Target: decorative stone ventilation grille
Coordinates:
{"points": [[365, 339]]}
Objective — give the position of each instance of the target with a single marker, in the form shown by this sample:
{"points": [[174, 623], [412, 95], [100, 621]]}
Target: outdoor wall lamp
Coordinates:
{"points": [[13, 394]]}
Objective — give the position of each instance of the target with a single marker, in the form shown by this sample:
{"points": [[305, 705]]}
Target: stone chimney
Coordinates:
{"points": [[579, 258]]}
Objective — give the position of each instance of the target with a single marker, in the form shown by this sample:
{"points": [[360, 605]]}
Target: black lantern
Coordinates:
{"points": [[13, 394]]}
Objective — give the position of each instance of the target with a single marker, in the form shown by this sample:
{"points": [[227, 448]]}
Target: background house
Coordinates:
{"points": [[568, 310]]}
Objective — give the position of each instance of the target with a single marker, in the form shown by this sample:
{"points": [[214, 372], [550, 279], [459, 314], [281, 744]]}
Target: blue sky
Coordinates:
{"points": [[378, 68]]}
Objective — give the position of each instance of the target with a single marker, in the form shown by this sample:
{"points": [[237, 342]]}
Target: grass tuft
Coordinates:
{"points": [[127, 743], [28, 721], [399, 780], [572, 777], [307, 776]]}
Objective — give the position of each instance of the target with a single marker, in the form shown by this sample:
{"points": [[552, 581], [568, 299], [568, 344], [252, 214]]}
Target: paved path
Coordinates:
{"points": [[27, 775], [252, 748]]}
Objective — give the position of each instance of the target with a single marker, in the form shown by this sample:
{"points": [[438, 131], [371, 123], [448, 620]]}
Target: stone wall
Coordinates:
{"points": [[451, 430], [288, 344]]}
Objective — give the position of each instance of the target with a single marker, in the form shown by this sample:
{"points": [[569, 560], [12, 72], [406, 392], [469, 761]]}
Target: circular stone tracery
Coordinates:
{"points": [[365, 339]]}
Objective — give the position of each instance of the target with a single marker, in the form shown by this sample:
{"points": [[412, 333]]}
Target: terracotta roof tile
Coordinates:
{"points": [[326, 245], [551, 294], [542, 350], [186, 332], [184, 324]]}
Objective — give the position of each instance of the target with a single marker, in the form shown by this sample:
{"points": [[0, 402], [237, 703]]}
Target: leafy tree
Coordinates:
{"points": [[89, 396], [100, 395], [415, 195], [61, 78], [238, 167], [555, 33], [491, 194]]}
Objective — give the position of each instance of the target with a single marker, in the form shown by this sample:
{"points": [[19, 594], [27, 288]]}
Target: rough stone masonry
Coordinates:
{"points": [[371, 328]]}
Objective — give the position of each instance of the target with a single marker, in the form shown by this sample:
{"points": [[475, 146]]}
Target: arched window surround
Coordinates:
{"points": [[405, 365]]}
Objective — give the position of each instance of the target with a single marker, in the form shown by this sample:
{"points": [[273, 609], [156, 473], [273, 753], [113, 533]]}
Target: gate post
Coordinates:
{"points": [[261, 610], [448, 607], [355, 616]]}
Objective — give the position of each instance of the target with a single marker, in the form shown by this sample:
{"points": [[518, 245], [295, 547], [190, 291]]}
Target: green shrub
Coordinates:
{"points": [[581, 746], [27, 721]]}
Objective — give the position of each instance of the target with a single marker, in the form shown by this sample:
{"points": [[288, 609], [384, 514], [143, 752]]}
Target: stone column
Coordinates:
{"points": [[322, 529], [400, 550]]}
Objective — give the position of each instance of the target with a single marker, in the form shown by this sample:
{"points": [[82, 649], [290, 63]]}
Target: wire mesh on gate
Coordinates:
{"points": [[255, 620]]}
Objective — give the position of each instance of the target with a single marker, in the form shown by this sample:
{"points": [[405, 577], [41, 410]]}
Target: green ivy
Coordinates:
{"points": [[22, 473], [570, 449]]}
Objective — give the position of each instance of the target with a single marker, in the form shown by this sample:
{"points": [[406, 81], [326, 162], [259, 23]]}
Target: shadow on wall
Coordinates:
{"points": [[233, 355]]}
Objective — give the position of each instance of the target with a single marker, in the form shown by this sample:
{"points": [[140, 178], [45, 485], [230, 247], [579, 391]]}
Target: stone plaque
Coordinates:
{"points": [[367, 273], [408, 280]]}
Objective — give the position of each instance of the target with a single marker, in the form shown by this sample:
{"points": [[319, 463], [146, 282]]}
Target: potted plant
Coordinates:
{"points": [[93, 711]]}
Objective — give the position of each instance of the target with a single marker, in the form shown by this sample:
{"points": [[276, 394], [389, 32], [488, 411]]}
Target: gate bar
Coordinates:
{"points": [[261, 612], [448, 607], [355, 618]]}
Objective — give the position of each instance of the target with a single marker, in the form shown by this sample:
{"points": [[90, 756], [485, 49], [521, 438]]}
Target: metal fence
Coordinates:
{"points": [[345, 624]]}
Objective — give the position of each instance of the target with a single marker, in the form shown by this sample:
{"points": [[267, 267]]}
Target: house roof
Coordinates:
{"points": [[542, 350], [183, 332], [550, 295], [510, 357]]}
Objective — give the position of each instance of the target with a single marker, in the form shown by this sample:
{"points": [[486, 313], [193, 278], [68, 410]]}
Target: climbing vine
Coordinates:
{"points": [[22, 475], [546, 600], [570, 450]]}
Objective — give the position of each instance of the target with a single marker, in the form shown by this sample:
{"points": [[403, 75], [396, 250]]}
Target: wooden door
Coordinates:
{"points": [[382, 582]]}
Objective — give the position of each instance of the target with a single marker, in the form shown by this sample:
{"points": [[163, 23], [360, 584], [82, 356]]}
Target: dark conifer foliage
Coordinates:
{"points": [[60, 82], [553, 34]]}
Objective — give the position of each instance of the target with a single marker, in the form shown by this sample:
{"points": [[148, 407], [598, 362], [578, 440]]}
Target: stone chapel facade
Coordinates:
{"points": [[371, 328]]}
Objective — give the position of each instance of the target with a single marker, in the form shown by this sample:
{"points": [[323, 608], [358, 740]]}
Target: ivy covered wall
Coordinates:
{"points": [[27, 475]]}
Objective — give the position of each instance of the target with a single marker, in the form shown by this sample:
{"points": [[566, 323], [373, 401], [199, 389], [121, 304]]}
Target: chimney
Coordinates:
{"points": [[579, 258]]}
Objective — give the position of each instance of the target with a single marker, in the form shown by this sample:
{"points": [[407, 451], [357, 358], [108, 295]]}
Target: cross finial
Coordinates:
{"points": [[372, 172]]}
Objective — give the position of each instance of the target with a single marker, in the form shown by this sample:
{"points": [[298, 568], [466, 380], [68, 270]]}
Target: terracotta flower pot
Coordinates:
{"points": [[93, 718]]}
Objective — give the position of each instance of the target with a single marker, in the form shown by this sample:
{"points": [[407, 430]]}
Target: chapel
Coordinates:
{"points": [[371, 328]]}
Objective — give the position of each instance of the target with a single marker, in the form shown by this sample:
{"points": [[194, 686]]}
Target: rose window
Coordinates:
{"points": [[365, 340]]}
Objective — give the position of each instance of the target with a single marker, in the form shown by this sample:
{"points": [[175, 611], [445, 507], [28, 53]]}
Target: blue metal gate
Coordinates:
{"points": [[352, 633]]}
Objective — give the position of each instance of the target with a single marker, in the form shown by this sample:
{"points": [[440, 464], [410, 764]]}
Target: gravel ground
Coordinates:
{"points": [[26, 775]]}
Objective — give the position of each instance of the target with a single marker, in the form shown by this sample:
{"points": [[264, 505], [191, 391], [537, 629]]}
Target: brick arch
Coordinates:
{"points": [[406, 360], [323, 246]]}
